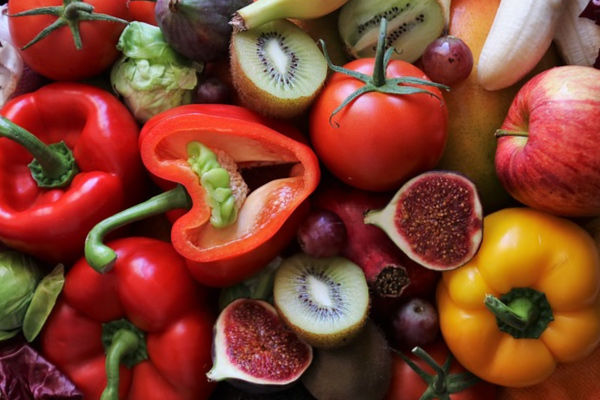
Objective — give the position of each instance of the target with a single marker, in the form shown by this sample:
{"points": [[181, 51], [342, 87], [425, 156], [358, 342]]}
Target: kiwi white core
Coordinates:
{"points": [[281, 58], [321, 296]]}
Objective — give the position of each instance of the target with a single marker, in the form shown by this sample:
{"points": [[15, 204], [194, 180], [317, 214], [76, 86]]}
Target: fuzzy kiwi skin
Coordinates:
{"points": [[360, 370]]}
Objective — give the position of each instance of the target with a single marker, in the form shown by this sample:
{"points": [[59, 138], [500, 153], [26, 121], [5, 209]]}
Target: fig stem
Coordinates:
{"points": [[502, 132]]}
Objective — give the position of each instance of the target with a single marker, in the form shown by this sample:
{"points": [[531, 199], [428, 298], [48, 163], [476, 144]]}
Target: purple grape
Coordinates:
{"points": [[322, 234], [212, 90], [415, 323], [447, 60]]}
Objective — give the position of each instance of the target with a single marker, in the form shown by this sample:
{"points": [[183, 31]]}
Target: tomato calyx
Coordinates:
{"points": [[378, 82], [69, 14], [442, 383]]}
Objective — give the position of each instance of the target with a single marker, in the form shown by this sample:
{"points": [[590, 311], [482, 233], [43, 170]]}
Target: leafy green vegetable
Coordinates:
{"points": [[151, 76]]}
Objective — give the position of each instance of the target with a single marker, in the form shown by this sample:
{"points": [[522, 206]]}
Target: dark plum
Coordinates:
{"points": [[322, 234], [447, 60], [415, 323]]}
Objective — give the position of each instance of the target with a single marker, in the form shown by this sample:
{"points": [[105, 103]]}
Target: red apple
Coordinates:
{"points": [[548, 152]]}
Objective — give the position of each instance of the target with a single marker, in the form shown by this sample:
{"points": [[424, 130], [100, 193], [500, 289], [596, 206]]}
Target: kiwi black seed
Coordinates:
{"points": [[277, 69], [361, 370], [324, 300], [412, 25]]}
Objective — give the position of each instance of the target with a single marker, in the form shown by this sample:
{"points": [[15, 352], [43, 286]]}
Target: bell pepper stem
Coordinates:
{"points": [[522, 312], [53, 165], [123, 343], [101, 257], [519, 313]]}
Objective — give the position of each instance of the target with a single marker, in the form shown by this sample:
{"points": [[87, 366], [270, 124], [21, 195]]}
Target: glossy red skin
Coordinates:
{"points": [[143, 11], [152, 288], [233, 261], [52, 224], [382, 140], [56, 56], [555, 167], [407, 385]]}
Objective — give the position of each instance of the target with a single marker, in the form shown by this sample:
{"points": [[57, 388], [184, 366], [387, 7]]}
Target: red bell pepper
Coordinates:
{"points": [[176, 147], [47, 208], [150, 317]]}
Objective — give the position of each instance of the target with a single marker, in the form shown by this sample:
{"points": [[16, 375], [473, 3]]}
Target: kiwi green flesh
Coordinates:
{"points": [[412, 25], [325, 300], [281, 59]]}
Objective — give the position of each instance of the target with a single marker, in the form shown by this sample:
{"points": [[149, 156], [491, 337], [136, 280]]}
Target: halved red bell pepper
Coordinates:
{"points": [[173, 145], [146, 324], [46, 210]]}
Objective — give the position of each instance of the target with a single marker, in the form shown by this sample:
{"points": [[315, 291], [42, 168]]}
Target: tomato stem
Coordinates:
{"points": [[380, 65], [442, 383], [69, 14], [378, 82]]}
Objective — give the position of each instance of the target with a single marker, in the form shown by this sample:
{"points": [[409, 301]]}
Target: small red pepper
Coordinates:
{"points": [[224, 239], [86, 166], [142, 331]]}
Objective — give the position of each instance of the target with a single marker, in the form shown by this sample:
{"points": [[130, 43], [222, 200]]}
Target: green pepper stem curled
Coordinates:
{"points": [[101, 257]]}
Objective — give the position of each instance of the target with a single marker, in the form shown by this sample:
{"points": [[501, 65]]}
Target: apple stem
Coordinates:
{"points": [[502, 132]]}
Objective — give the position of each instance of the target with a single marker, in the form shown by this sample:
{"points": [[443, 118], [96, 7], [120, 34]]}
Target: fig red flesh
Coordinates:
{"points": [[435, 218]]}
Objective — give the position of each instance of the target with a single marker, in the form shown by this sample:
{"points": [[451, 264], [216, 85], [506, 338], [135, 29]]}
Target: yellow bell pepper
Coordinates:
{"points": [[527, 300]]}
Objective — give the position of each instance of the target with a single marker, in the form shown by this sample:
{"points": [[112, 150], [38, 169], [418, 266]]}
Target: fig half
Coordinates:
{"points": [[436, 218], [254, 350]]}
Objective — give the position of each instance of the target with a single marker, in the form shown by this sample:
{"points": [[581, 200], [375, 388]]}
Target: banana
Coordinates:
{"points": [[520, 35], [263, 11], [577, 39]]}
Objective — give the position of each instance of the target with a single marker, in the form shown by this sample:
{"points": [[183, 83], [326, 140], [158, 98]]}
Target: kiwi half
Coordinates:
{"points": [[277, 69], [412, 25], [324, 300]]}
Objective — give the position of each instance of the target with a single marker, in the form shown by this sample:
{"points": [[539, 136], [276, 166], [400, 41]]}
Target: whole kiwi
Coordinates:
{"points": [[360, 370]]}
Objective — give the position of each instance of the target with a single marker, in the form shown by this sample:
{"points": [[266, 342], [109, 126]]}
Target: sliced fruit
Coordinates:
{"points": [[325, 300], [254, 349], [436, 218], [277, 69], [361, 370], [412, 25]]}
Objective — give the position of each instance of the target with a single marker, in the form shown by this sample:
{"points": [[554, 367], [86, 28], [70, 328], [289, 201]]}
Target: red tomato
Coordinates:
{"points": [[56, 55], [408, 385], [379, 140], [143, 11]]}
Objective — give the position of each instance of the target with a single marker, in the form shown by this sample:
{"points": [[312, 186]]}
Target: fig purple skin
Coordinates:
{"points": [[198, 29]]}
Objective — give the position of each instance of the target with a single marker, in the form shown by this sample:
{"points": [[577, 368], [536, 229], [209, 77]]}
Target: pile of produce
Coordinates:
{"points": [[282, 199]]}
